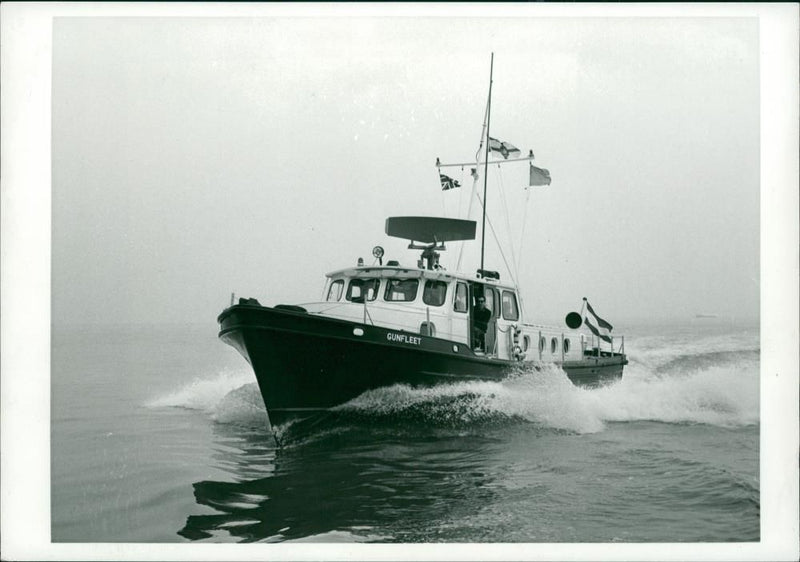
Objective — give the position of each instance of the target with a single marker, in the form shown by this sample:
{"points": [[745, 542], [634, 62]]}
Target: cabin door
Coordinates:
{"points": [[491, 345], [506, 316], [460, 324], [493, 304]]}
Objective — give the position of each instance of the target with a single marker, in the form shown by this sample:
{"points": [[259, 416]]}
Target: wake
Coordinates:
{"points": [[704, 387]]}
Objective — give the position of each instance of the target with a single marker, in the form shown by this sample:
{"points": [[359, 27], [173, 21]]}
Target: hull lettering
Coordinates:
{"points": [[404, 338]]}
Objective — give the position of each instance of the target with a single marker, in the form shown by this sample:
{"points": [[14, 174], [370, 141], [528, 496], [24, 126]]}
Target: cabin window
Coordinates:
{"points": [[542, 343], [553, 345], [491, 299], [510, 310], [434, 293], [526, 343], [566, 345], [460, 299], [401, 290], [335, 290], [359, 288]]}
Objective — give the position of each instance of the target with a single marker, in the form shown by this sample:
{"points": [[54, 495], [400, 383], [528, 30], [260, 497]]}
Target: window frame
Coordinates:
{"points": [[425, 292], [335, 283], [491, 303], [364, 286], [388, 290], [515, 303], [461, 285]]}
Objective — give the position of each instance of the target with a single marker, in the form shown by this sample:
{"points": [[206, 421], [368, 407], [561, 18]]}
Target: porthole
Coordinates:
{"points": [[526, 343], [542, 343], [566, 345], [553, 345]]}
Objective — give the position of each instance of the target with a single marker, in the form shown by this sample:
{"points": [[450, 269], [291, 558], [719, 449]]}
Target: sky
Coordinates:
{"points": [[193, 158]]}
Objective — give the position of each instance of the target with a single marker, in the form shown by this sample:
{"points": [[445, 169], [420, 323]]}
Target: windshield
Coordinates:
{"points": [[359, 288], [434, 293], [401, 290]]}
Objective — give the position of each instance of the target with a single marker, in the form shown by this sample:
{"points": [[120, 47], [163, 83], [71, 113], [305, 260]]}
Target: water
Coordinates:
{"points": [[159, 434]]}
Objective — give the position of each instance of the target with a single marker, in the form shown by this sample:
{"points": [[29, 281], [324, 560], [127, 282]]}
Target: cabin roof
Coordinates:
{"points": [[410, 273]]}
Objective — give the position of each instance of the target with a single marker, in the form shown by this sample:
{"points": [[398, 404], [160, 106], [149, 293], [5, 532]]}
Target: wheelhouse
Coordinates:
{"points": [[425, 301]]}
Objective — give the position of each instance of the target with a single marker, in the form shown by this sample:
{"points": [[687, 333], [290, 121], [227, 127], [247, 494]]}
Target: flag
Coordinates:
{"points": [[596, 332], [503, 148], [600, 322], [602, 329], [448, 182], [539, 176]]}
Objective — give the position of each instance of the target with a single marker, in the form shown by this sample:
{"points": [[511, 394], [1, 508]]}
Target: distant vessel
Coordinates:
{"points": [[385, 324]]}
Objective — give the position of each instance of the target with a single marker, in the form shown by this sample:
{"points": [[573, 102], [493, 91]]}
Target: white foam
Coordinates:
{"points": [[242, 405], [545, 396], [723, 393], [202, 393], [719, 395], [228, 397]]}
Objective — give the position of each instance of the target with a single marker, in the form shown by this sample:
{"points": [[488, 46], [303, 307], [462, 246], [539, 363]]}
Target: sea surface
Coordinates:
{"points": [[159, 434]]}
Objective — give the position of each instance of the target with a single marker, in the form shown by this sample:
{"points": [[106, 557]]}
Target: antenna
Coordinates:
{"points": [[432, 232], [486, 162]]}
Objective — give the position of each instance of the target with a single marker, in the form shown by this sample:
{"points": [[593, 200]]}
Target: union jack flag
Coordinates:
{"points": [[448, 182]]}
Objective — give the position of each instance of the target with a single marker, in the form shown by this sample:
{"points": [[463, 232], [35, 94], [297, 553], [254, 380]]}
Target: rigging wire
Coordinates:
{"points": [[475, 178], [521, 242], [441, 193], [500, 248], [524, 223], [483, 133], [508, 220], [461, 194], [473, 195]]}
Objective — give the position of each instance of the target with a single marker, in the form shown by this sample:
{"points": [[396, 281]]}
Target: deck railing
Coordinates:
{"points": [[549, 344], [591, 342]]}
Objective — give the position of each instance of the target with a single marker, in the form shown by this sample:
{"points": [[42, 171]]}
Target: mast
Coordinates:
{"points": [[486, 160]]}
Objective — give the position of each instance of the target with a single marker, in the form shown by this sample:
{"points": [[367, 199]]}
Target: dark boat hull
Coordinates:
{"points": [[305, 362]]}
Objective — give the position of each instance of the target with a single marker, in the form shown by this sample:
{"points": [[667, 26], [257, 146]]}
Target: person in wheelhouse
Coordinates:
{"points": [[480, 323]]}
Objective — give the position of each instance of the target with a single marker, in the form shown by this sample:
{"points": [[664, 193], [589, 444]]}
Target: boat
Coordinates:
{"points": [[416, 324]]}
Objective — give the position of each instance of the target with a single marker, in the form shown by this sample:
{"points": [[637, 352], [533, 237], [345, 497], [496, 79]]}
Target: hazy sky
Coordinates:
{"points": [[192, 158]]}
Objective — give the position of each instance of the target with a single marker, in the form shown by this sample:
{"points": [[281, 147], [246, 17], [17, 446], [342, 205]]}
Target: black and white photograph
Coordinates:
{"points": [[391, 281]]}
